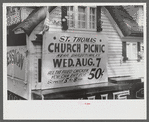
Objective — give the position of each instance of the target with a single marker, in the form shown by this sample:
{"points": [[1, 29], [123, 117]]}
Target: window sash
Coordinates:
{"points": [[81, 17], [92, 19], [71, 16], [132, 50]]}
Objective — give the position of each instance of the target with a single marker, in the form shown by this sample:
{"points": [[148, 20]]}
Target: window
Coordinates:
{"points": [[92, 18], [131, 50], [71, 17], [81, 17]]}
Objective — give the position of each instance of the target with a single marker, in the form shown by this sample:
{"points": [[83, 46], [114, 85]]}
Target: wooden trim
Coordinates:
{"points": [[87, 17], [38, 40], [106, 12], [119, 16], [98, 19], [63, 17], [138, 46], [124, 51], [39, 70]]}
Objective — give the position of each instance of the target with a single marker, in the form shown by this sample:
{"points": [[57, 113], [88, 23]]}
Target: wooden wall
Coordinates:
{"points": [[116, 67]]}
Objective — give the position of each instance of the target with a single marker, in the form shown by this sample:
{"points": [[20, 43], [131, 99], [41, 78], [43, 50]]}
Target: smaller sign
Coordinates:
{"points": [[16, 61], [17, 81]]}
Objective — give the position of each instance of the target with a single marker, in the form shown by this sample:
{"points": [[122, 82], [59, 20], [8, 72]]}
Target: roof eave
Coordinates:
{"points": [[125, 30]]}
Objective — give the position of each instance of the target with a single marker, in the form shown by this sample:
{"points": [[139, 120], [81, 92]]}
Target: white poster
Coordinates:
{"points": [[16, 61], [71, 59]]}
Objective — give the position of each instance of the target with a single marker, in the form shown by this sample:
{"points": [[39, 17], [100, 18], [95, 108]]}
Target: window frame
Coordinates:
{"points": [[68, 19], [85, 14], [87, 17], [90, 16], [132, 54], [139, 53]]}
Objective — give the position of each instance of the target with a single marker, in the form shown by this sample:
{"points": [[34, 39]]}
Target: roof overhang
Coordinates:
{"points": [[125, 22], [34, 19]]}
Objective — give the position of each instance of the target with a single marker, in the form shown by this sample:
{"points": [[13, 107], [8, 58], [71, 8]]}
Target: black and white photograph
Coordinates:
{"points": [[79, 52]]}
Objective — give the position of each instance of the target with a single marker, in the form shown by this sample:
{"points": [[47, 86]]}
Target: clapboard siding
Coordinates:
{"points": [[116, 67]]}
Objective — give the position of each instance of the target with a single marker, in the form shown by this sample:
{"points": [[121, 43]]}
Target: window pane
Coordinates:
{"points": [[93, 18], [90, 25], [79, 16], [83, 24], [93, 25], [71, 8], [82, 17], [71, 16], [92, 11], [81, 9], [134, 50], [79, 23], [128, 50], [71, 23]]}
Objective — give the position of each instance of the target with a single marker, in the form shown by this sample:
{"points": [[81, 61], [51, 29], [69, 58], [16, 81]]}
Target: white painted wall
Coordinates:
{"points": [[116, 67]]}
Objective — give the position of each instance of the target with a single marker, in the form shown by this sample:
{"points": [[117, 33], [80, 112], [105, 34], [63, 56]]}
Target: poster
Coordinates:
{"points": [[71, 59], [17, 83], [16, 61]]}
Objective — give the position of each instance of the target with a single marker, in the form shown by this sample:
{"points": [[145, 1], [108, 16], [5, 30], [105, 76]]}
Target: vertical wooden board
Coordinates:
{"points": [[34, 71]]}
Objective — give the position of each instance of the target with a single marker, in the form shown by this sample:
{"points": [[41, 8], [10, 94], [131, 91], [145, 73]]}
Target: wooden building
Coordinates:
{"points": [[122, 32]]}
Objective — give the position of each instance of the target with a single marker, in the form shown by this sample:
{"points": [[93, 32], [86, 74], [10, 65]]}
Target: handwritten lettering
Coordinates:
{"points": [[71, 63], [15, 57], [77, 39], [68, 48]]}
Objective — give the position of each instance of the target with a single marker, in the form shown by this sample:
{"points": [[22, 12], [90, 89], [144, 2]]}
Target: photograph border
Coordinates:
{"points": [[9, 105]]}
